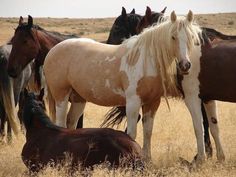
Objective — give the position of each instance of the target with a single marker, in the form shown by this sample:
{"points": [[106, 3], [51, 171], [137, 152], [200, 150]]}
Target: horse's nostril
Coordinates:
{"points": [[188, 65]]}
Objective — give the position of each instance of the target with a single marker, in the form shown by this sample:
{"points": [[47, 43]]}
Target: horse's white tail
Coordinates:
{"points": [[51, 104]]}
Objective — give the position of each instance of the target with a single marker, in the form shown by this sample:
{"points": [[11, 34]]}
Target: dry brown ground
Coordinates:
{"points": [[173, 134]]}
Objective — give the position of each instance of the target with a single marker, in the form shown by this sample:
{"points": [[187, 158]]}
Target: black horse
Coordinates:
{"points": [[124, 27]]}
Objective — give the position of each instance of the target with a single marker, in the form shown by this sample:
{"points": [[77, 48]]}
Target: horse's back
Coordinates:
{"points": [[218, 71], [91, 68]]}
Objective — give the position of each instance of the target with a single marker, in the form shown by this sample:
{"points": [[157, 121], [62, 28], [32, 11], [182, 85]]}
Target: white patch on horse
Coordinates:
{"points": [[110, 59], [182, 43], [119, 91], [61, 111], [107, 83]]}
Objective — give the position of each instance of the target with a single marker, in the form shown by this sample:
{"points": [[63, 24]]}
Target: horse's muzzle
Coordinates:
{"points": [[184, 66]]}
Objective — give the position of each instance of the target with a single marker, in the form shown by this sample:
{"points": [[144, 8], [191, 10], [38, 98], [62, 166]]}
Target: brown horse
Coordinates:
{"points": [[149, 18], [136, 73], [47, 143], [31, 42]]}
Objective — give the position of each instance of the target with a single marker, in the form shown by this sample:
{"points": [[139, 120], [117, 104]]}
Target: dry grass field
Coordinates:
{"points": [[173, 135]]}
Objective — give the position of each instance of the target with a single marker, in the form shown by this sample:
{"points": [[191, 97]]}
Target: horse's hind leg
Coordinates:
{"points": [[61, 111], [211, 110], [76, 110], [149, 112], [207, 140]]}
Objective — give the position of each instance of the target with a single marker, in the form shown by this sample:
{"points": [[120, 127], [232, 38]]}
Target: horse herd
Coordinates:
{"points": [[145, 58]]}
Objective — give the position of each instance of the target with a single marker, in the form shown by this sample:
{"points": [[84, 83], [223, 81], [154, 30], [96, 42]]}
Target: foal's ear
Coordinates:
{"points": [[190, 16], [123, 13], [173, 16], [148, 12], [133, 11], [30, 21], [21, 20]]}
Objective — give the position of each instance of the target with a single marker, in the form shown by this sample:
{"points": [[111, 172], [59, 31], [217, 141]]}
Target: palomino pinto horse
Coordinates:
{"points": [[47, 143], [116, 114], [124, 27], [31, 42], [134, 74]]}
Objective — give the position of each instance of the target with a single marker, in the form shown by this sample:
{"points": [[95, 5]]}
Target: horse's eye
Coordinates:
{"points": [[25, 41], [173, 37]]}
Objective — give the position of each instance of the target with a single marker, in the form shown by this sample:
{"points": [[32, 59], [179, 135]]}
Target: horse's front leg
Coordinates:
{"points": [[133, 104], [211, 110], [149, 111], [193, 103]]}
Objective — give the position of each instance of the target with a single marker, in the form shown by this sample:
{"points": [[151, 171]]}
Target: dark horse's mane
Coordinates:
{"points": [[32, 110], [55, 35]]}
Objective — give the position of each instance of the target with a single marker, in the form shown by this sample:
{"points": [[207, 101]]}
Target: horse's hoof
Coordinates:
{"points": [[198, 160], [209, 151], [221, 158]]}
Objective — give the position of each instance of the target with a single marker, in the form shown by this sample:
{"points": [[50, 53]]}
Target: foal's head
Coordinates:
{"points": [[25, 47], [124, 27], [29, 104]]}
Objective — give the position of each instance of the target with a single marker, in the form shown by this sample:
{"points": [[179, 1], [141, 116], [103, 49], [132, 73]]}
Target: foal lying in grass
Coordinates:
{"points": [[46, 142]]}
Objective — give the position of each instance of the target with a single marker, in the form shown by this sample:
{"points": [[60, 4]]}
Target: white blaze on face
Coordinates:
{"points": [[183, 49]]}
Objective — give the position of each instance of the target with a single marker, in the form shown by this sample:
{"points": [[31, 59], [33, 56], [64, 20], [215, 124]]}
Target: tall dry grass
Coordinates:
{"points": [[173, 137]]}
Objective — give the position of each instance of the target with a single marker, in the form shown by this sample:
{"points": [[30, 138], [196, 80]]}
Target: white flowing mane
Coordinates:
{"points": [[157, 43]]}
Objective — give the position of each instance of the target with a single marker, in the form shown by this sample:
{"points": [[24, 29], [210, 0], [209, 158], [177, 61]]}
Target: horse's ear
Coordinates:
{"points": [[163, 11], [148, 12], [133, 11], [30, 21], [173, 16], [21, 20], [190, 16], [123, 13]]}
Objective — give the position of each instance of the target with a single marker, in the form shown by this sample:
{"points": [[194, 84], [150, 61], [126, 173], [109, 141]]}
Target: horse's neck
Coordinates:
{"points": [[46, 42]]}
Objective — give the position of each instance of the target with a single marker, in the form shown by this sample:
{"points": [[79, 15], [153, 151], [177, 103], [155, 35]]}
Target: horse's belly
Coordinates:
{"points": [[103, 95]]}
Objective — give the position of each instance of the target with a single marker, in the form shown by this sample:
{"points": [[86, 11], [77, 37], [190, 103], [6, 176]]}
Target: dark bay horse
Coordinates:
{"points": [[47, 143], [10, 90], [32, 43]]}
